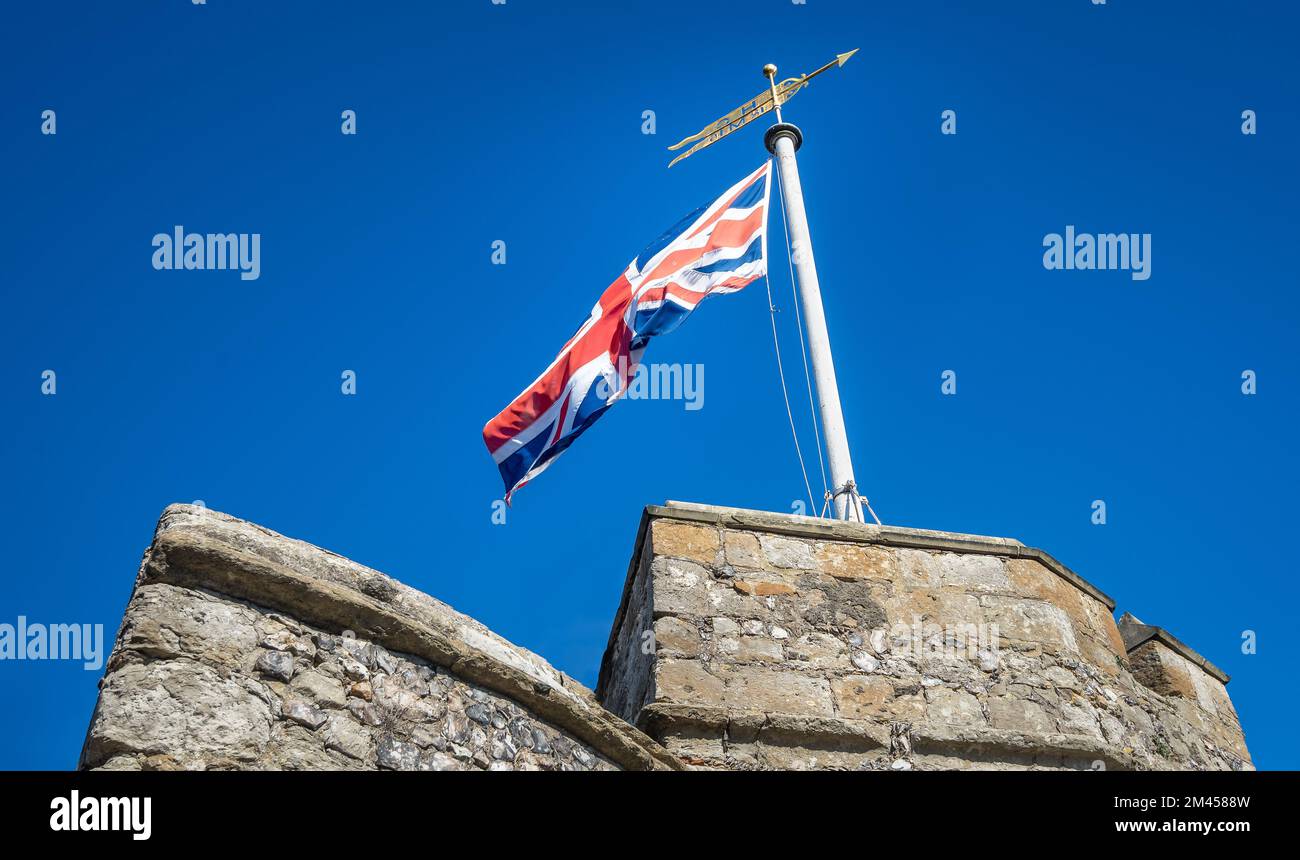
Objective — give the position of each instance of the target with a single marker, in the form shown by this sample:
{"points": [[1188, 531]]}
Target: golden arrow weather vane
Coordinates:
{"points": [[752, 109]]}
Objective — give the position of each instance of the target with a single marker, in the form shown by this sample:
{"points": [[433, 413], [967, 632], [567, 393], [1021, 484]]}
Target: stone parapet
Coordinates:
{"points": [[244, 649], [751, 640]]}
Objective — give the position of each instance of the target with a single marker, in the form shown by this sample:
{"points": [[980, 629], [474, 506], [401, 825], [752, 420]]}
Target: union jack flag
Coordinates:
{"points": [[719, 248]]}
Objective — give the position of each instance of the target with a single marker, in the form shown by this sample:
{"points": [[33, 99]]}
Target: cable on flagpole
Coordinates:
{"points": [[776, 345], [807, 377]]}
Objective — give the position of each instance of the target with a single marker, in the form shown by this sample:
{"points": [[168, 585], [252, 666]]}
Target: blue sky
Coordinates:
{"points": [[523, 123]]}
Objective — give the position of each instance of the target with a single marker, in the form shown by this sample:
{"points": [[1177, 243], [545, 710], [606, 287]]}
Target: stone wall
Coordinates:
{"points": [[748, 640], [1192, 685], [243, 649], [744, 640]]}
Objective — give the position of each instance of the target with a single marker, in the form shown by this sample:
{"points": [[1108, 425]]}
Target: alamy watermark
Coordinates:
{"points": [[131, 814], [24, 641], [917, 641], [181, 250], [684, 382], [1129, 252]]}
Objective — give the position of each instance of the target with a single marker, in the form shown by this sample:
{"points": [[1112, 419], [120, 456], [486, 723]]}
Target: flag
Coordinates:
{"points": [[719, 248]]}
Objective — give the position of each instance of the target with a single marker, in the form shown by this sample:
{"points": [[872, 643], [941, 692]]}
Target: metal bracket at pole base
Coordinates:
{"points": [[786, 129], [852, 511], [856, 502]]}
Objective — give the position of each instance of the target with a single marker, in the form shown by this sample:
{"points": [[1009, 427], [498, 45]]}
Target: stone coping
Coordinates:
{"points": [[794, 525], [194, 547], [1135, 633]]}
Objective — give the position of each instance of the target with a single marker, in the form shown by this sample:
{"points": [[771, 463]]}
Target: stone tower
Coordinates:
{"points": [[753, 640]]}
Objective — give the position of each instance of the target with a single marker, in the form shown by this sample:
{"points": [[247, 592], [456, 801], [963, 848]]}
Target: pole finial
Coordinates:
{"points": [[770, 71]]}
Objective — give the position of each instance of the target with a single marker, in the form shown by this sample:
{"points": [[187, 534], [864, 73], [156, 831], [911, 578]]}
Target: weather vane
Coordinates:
{"points": [[773, 97]]}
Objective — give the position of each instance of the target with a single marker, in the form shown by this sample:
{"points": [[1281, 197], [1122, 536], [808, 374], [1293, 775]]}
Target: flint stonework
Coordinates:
{"points": [[243, 649]]}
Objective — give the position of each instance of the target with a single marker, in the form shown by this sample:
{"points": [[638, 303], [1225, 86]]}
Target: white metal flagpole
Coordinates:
{"points": [[782, 140]]}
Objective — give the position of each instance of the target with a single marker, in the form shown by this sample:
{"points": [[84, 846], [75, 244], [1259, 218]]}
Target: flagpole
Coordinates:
{"points": [[782, 140]]}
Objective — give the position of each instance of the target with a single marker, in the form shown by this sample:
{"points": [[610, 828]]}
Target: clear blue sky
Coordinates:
{"points": [[522, 123]]}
